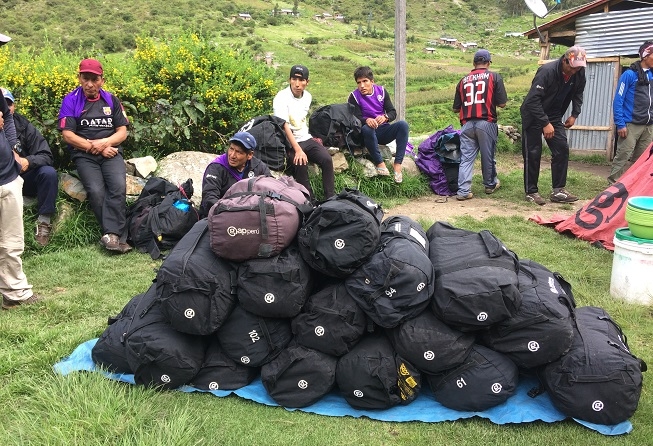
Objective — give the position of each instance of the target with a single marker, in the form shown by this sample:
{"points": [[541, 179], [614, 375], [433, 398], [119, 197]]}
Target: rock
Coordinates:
{"points": [[134, 184], [369, 169], [142, 166], [386, 153], [72, 187], [340, 163], [180, 166], [28, 202]]}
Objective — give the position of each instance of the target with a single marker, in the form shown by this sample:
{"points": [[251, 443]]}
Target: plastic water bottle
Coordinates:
{"points": [[182, 205]]}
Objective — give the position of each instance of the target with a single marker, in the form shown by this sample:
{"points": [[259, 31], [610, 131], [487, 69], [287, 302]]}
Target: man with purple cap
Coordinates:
{"points": [[477, 97], [632, 110], [15, 288], [229, 168], [93, 123], [555, 85]]}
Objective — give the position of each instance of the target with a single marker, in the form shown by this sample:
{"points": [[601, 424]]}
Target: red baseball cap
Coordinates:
{"points": [[91, 66]]}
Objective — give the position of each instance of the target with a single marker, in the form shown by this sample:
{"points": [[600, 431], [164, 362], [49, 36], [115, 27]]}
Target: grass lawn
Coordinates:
{"points": [[84, 286]]}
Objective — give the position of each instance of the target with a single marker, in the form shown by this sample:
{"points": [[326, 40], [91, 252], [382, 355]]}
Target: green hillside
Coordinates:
{"points": [[332, 49]]}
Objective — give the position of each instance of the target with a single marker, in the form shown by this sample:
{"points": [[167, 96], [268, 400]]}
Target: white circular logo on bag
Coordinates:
{"points": [[302, 384], [244, 359], [339, 244], [319, 330], [213, 385], [165, 378], [496, 388], [429, 355], [371, 204], [421, 286], [367, 281], [189, 313], [482, 316], [597, 406], [358, 394], [533, 346], [269, 298]]}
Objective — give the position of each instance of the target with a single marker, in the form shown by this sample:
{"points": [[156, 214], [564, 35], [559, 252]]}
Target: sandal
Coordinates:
{"points": [[383, 171], [399, 177]]}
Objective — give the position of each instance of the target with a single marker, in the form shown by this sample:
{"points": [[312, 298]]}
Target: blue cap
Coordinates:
{"points": [[482, 56], [246, 139], [7, 94]]}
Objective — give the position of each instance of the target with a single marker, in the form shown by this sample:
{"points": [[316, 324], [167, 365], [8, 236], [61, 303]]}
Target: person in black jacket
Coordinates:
{"points": [[555, 86], [227, 169], [36, 161]]}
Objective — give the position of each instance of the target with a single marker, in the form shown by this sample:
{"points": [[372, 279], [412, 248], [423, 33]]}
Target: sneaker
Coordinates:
{"points": [[563, 196], [491, 190], [535, 198], [124, 248], [469, 196], [111, 242], [11, 304], [42, 234]]}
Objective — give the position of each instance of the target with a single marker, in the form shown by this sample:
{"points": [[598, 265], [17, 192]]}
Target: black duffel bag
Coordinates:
{"points": [[219, 372], [299, 376], [197, 289], [485, 379], [373, 376], [542, 329], [395, 283], [275, 287], [598, 380], [109, 350], [476, 281], [159, 355], [330, 322], [253, 340], [430, 344], [341, 233]]}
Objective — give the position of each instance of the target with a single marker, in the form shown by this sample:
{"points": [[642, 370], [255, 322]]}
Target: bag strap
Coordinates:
{"points": [[188, 253]]}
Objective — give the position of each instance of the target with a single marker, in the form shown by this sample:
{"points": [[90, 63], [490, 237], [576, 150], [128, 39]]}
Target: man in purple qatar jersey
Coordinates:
{"points": [[375, 110], [93, 123], [476, 99]]}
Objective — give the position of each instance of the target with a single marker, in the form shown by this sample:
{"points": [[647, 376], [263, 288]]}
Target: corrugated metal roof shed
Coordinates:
{"points": [[615, 33]]}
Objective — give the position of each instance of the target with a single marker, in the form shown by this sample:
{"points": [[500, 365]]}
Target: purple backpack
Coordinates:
{"points": [[257, 218], [428, 162]]}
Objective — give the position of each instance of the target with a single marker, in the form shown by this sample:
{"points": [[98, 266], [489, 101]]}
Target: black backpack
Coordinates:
{"points": [[271, 141], [275, 287], [330, 322], [476, 281], [341, 233], [430, 344], [159, 355], [219, 372], [598, 380], [109, 350], [373, 376], [486, 379], [395, 283], [299, 376], [197, 289], [336, 125], [542, 329], [161, 216], [253, 340]]}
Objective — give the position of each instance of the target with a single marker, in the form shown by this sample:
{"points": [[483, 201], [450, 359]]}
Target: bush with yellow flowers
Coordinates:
{"points": [[185, 93]]}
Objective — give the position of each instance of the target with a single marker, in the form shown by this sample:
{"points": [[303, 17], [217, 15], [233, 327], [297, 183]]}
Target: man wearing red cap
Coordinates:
{"points": [[555, 85], [93, 123], [632, 110]]}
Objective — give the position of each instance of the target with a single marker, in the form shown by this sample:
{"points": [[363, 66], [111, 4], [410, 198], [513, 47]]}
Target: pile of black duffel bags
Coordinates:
{"points": [[313, 298]]}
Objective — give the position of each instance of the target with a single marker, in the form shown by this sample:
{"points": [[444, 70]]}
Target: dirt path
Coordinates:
{"points": [[434, 207]]}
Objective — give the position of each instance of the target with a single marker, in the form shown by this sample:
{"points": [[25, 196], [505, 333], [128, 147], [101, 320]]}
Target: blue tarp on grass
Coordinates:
{"points": [[520, 408]]}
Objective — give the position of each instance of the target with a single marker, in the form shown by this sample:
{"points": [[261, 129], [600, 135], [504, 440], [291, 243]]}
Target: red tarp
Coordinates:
{"points": [[598, 220]]}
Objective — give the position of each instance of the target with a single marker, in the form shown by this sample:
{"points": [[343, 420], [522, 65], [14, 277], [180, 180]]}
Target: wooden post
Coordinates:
{"points": [[400, 59]]}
